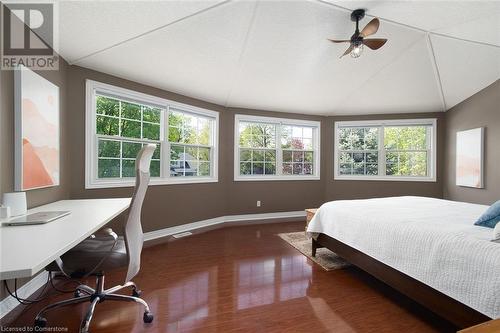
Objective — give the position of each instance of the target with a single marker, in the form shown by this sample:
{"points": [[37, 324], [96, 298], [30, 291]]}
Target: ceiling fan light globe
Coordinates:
{"points": [[357, 51]]}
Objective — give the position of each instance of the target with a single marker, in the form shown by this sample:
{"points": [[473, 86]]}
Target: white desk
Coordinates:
{"points": [[25, 250]]}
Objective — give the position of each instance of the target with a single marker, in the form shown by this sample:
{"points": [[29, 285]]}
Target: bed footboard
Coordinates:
{"points": [[439, 303]]}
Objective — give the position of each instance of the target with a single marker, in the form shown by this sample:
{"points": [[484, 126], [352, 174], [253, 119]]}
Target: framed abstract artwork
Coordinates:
{"points": [[36, 104], [470, 150]]}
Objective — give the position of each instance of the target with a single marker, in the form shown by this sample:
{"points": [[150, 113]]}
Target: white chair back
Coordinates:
{"points": [[134, 237]]}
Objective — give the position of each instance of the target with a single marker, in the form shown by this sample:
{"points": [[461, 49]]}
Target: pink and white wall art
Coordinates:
{"points": [[470, 146], [36, 131]]}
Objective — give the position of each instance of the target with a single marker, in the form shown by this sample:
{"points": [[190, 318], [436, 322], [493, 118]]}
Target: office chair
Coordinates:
{"points": [[104, 251]]}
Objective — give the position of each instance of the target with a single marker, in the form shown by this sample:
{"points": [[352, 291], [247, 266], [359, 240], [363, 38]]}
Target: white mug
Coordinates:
{"points": [[17, 203]]}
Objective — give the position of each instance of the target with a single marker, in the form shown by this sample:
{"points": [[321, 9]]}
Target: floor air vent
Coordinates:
{"points": [[182, 234]]}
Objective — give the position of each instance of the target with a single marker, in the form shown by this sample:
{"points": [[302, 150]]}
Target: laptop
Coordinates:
{"points": [[38, 218]]}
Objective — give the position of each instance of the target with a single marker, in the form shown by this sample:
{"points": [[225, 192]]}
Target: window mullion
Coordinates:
{"points": [[120, 134], [212, 162], [120, 118], [165, 145], [142, 122], [382, 167], [197, 145], [95, 153], [121, 138], [315, 146], [428, 151], [121, 155], [237, 170], [279, 150], [430, 163]]}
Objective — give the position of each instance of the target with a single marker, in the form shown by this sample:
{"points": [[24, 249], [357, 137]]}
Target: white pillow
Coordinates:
{"points": [[496, 233]]}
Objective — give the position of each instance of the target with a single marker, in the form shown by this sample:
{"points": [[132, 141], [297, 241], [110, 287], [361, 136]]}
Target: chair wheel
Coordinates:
{"points": [[40, 322], [136, 293], [148, 317]]}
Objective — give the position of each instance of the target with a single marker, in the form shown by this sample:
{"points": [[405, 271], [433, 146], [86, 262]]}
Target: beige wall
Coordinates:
{"points": [[275, 195], [480, 110], [170, 205], [165, 205]]}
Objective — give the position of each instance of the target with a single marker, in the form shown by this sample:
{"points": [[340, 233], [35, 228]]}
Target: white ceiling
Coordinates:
{"points": [[274, 55]]}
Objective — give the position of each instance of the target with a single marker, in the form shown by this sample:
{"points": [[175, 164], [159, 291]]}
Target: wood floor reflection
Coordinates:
{"points": [[247, 279]]}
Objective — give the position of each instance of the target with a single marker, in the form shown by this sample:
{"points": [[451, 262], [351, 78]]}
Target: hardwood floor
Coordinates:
{"points": [[246, 279]]}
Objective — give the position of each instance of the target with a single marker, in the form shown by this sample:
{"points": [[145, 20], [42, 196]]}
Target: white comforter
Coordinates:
{"points": [[432, 240]]}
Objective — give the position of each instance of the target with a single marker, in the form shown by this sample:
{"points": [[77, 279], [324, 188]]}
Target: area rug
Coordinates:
{"points": [[324, 257]]}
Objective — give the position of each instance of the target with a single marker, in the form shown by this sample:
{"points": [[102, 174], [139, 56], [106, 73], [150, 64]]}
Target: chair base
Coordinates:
{"points": [[95, 296]]}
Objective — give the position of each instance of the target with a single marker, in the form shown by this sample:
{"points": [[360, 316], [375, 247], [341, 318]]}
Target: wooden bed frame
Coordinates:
{"points": [[439, 303]]}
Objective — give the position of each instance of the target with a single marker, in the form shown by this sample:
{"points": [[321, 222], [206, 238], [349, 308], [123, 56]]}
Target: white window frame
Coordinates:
{"points": [[91, 138], [431, 149], [316, 125]]}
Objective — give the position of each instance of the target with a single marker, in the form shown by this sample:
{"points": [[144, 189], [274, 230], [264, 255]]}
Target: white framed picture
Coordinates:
{"points": [[470, 159], [36, 106]]}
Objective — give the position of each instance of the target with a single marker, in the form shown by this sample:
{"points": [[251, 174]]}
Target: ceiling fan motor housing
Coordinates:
{"points": [[357, 15], [356, 40]]}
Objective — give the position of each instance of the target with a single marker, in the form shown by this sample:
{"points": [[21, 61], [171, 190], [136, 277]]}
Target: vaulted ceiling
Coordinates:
{"points": [[274, 55]]}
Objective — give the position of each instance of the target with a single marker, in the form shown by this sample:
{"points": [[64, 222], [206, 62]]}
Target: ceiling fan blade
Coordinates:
{"points": [[374, 43], [370, 28], [349, 49], [340, 40]]}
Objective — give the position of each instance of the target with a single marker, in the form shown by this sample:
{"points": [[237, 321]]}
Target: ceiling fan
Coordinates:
{"points": [[358, 38]]}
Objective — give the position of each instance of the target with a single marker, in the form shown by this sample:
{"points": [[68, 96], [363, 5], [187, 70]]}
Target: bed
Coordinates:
{"points": [[428, 249]]}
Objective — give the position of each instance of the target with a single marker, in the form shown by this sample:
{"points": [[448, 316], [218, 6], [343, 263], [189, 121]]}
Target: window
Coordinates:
{"points": [[257, 148], [386, 150], [122, 129], [190, 141], [275, 149], [297, 150], [120, 122]]}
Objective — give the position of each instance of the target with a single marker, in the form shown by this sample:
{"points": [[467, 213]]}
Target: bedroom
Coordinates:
{"points": [[246, 115]]}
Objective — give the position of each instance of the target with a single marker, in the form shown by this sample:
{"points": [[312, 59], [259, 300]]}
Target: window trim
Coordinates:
{"points": [[278, 121], [432, 169], [91, 138]]}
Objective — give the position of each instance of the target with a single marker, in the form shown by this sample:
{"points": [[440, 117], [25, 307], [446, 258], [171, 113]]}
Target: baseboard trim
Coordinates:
{"points": [[222, 221], [9, 303]]}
